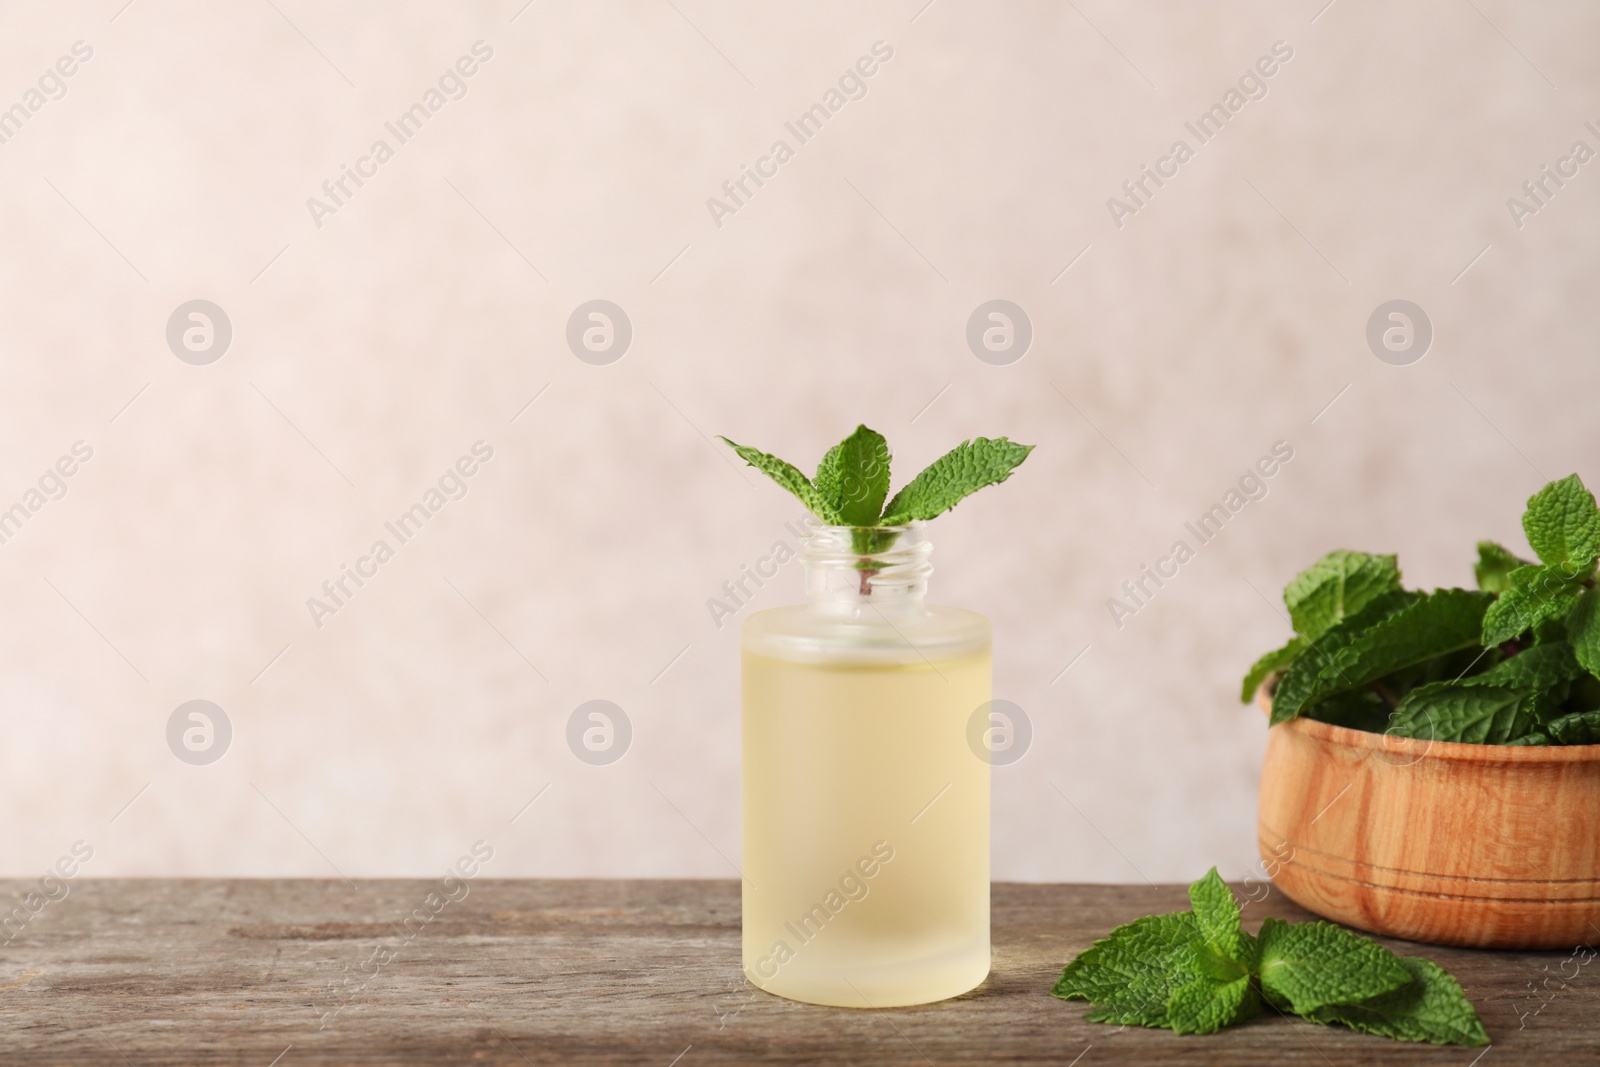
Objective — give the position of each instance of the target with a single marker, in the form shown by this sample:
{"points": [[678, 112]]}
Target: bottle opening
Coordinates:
{"points": [[878, 564]]}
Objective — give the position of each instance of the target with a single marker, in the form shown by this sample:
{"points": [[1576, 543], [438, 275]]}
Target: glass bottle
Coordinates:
{"points": [[866, 799]]}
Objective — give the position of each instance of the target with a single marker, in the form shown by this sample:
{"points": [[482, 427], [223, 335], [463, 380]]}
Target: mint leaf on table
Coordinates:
{"points": [[1336, 586], [789, 476], [1538, 594], [1450, 711], [1583, 629], [1563, 525], [1216, 916], [952, 477], [1131, 973], [1206, 1005], [1494, 567], [1430, 1008], [853, 477], [1394, 631], [1195, 972], [1267, 665], [1313, 965]]}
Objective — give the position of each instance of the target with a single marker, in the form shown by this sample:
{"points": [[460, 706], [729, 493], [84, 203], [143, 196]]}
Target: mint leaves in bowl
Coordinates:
{"points": [[1433, 771], [1515, 662]]}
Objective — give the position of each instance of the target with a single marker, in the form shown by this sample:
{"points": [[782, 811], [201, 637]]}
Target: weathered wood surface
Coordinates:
{"points": [[588, 972]]}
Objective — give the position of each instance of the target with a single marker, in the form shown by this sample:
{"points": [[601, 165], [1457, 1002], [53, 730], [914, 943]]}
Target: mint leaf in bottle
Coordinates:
{"points": [[853, 478], [789, 476], [953, 477]]}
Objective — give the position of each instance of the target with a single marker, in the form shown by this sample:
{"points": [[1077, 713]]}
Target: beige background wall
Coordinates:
{"points": [[372, 351]]}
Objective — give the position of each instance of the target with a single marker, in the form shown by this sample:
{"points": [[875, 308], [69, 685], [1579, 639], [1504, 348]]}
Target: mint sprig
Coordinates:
{"points": [[1430, 1007], [1395, 631], [1502, 665], [852, 481], [952, 477], [1198, 971], [1337, 585], [1494, 567]]}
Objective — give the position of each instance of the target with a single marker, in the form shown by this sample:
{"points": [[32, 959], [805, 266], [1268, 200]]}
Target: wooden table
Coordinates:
{"points": [[640, 972]]}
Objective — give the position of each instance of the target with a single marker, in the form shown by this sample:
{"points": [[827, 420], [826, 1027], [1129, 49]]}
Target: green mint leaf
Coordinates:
{"points": [[959, 473], [1216, 914], [1538, 594], [789, 476], [1131, 973], [1530, 739], [1206, 1005], [1396, 630], [1450, 711], [1578, 728], [1314, 965], [869, 541], [1268, 665], [1494, 567], [1358, 709], [1299, 688], [1563, 525], [1583, 629], [1540, 667], [1336, 586], [854, 477], [1431, 1007]]}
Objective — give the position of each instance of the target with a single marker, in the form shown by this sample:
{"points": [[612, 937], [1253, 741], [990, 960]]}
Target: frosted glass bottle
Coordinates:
{"points": [[866, 799]]}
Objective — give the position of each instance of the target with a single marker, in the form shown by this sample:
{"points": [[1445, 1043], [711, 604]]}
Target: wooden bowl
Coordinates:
{"points": [[1488, 846]]}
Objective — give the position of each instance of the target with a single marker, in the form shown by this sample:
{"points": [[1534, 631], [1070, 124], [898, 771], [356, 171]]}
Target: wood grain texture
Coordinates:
{"points": [[600, 972], [1492, 846]]}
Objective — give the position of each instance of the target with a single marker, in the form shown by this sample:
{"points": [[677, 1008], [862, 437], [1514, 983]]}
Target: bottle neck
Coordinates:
{"points": [[855, 568]]}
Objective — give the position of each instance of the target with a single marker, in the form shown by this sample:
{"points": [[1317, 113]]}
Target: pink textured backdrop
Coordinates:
{"points": [[371, 351]]}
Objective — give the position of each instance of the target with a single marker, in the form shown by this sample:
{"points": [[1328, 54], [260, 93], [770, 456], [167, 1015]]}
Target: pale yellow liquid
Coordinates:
{"points": [[850, 769]]}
